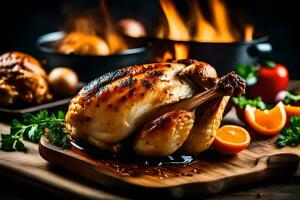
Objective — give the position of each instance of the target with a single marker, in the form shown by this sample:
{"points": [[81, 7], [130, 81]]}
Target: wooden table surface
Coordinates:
{"points": [[14, 186], [287, 188]]}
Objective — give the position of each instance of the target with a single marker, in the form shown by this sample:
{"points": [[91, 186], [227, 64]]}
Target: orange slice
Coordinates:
{"points": [[292, 110], [266, 122], [231, 139]]}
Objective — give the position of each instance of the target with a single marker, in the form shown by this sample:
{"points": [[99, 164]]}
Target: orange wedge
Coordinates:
{"points": [[266, 122], [292, 110], [231, 139]]}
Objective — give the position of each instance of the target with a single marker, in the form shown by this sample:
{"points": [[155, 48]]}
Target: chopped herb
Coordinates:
{"points": [[32, 127], [242, 102], [249, 73], [290, 136], [289, 98]]}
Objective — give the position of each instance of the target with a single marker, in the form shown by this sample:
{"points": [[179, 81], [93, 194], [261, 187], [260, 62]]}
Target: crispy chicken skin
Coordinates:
{"points": [[164, 96], [208, 120], [164, 135], [113, 106], [22, 79], [203, 74]]}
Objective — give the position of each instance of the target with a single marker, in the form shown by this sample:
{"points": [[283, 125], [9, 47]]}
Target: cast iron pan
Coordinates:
{"points": [[88, 66], [223, 56]]}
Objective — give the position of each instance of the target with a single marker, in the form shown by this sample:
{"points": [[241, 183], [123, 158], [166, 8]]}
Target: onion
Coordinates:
{"points": [[132, 28], [63, 81], [280, 96]]}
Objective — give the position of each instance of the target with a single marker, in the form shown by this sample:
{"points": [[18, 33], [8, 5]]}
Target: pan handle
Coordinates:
{"points": [[260, 48]]}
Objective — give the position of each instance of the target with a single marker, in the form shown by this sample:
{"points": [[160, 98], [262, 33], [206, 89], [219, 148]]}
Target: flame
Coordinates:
{"points": [[84, 36], [167, 56], [177, 28], [83, 39], [114, 40], [249, 30], [219, 29], [181, 51], [222, 23], [84, 25], [204, 30]]}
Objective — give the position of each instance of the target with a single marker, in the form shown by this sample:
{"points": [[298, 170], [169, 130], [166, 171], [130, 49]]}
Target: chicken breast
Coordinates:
{"points": [[111, 107]]}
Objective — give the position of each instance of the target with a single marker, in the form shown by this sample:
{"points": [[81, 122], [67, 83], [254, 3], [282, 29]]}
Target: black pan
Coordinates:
{"points": [[88, 66], [223, 56]]}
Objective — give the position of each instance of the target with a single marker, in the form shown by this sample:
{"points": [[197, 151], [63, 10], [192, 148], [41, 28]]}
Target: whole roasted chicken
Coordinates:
{"points": [[162, 107], [22, 79]]}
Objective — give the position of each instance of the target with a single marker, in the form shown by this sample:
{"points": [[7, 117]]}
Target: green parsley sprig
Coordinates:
{"points": [[32, 127], [290, 136], [242, 101]]}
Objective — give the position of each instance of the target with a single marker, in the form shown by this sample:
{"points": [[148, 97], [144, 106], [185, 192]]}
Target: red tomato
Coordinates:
{"points": [[271, 80]]}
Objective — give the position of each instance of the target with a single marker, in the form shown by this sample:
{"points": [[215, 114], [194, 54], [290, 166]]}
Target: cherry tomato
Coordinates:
{"points": [[272, 79]]}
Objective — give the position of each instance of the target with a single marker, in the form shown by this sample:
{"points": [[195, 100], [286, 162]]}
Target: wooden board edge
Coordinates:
{"points": [[268, 166]]}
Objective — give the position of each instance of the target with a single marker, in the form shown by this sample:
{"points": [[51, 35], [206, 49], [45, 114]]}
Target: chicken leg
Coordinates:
{"points": [[167, 133]]}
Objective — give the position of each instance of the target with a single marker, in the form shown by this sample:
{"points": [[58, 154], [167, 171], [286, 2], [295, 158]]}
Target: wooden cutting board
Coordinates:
{"points": [[210, 173]]}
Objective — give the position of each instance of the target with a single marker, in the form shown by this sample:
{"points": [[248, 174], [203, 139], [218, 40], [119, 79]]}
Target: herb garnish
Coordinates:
{"points": [[249, 73], [290, 136], [32, 127], [242, 101], [290, 98]]}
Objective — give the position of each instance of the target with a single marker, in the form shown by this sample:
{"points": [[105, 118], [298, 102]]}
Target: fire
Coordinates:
{"points": [[167, 56], [249, 30], [114, 40], [177, 28], [222, 24], [219, 29], [84, 37], [204, 30], [84, 25], [181, 51]]}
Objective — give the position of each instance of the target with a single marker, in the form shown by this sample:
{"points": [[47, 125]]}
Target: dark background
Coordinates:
{"points": [[23, 21]]}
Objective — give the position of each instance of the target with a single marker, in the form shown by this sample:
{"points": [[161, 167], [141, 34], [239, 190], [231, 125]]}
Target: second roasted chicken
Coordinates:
{"points": [[181, 103]]}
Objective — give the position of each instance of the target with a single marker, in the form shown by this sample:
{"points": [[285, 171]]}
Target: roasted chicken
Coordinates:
{"points": [[83, 44], [167, 97], [22, 79]]}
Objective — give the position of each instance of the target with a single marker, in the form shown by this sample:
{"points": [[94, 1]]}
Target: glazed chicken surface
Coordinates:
{"points": [[22, 79], [163, 107]]}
